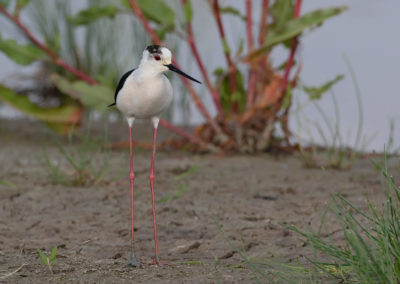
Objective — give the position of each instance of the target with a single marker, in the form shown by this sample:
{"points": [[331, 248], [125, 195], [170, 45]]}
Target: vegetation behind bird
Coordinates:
{"points": [[250, 95]]}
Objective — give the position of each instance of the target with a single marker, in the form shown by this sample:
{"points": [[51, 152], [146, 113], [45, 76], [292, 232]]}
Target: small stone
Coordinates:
{"points": [[184, 246]]}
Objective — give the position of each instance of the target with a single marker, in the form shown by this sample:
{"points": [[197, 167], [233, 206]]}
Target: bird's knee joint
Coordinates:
{"points": [[151, 177], [131, 176]]}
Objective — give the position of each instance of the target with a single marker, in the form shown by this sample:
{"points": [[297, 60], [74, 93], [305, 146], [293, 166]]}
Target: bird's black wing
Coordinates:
{"points": [[120, 85]]}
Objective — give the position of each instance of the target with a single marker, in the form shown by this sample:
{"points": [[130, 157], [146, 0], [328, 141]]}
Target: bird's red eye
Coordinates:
{"points": [[157, 58]]}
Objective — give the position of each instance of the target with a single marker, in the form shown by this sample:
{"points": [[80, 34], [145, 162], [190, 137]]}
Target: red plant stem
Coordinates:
{"points": [[193, 47], [217, 15], [263, 23], [87, 78], [57, 60], [249, 26], [138, 12], [293, 49], [297, 8], [231, 65], [183, 133], [250, 44]]}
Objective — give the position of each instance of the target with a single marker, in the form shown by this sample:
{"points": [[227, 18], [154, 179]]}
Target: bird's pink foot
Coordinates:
{"points": [[159, 262]]}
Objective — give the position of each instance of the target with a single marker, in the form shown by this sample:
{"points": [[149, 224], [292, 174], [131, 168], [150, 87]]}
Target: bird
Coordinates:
{"points": [[144, 93]]}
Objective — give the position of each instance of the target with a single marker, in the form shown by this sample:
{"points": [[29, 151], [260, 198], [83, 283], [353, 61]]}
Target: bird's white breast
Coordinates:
{"points": [[144, 97]]}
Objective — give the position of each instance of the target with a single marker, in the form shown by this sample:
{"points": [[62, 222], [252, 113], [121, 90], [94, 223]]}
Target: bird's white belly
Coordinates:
{"points": [[146, 99]]}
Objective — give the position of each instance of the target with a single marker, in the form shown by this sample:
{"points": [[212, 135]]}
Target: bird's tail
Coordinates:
{"points": [[113, 104]]}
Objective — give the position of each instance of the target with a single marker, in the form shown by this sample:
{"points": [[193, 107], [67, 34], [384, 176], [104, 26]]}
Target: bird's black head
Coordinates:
{"points": [[154, 49]]}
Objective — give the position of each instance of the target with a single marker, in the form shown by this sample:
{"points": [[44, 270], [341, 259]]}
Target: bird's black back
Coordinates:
{"points": [[121, 84]]}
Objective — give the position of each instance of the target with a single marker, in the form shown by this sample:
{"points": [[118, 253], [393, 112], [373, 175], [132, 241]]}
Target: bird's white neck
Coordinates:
{"points": [[147, 70]]}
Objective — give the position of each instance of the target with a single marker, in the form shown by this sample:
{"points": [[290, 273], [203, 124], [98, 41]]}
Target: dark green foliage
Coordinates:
{"points": [[158, 12], [228, 98], [281, 12], [293, 27], [58, 118], [188, 11], [229, 10], [21, 54], [93, 13]]}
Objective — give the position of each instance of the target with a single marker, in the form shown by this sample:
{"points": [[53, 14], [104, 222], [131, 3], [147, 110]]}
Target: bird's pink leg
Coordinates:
{"points": [[132, 261], [151, 177]]}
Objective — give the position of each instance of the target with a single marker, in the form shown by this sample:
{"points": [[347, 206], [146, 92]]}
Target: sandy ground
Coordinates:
{"points": [[249, 196]]}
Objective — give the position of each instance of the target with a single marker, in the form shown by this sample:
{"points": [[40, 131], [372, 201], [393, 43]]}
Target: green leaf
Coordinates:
{"points": [[164, 199], [188, 11], [190, 171], [22, 3], [7, 183], [232, 11], [241, 47], [21, 54], [43, 257], [295, 27], [228, 98], [287, 98], [316, 92], [283, 65], [93, 96], [182, 189], [53, 255], [281, 11], [156, 11], [93, 13], [4, 3], [226, 46], [62, 117], [162, 32]]}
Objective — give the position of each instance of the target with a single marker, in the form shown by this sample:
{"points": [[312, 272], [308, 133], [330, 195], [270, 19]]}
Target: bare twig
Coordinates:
{"points": [[138, 12], [193, 47], [221, 31], [57, 60], [13, 272], [263, 22], [190, 137], [231, 65], [249, 25], [293, 49], [289, 64], [250, 44]]}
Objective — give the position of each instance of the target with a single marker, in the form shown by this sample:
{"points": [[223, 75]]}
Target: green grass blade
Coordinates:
{"points": [[53, 255]]}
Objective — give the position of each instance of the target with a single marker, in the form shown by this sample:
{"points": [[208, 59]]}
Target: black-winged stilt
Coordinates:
{"points": [[144, 93]]}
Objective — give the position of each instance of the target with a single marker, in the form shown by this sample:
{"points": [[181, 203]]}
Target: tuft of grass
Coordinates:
{"points": [[391, 150], [190, 262], [181, 188], [215, 271], [259, 275], [371, 250], [7, 184], [86, 161], [336, 152], [48, 260], [186, 173]]}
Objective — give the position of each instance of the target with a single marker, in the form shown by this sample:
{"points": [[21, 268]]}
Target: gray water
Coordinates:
{"points": [[367, 33]]}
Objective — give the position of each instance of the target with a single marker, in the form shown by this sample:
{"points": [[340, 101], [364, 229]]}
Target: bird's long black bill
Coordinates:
{"points": [[173, 68]]}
